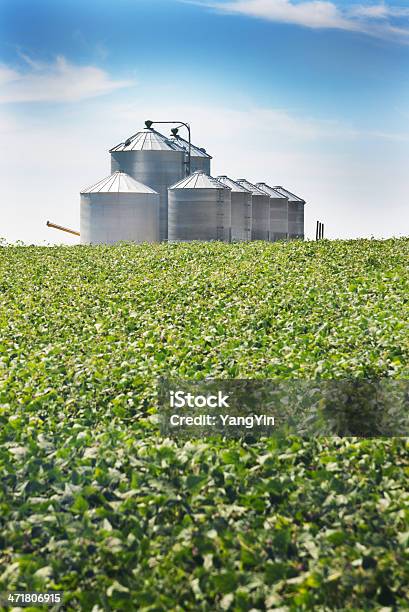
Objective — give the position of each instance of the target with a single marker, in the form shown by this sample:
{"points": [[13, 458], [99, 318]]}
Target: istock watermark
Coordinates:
{"points": [[180, 399], [236, 408]]}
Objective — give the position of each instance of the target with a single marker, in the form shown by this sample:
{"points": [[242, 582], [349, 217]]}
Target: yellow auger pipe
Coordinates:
{"points": [[63, 229]]}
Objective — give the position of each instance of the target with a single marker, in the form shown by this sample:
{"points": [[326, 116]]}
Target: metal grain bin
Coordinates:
{"points": [[152, 159], [199, 158], [199, 209], [241, 207], [260, 214], [278, 213], [295, 214], [119, 208]]}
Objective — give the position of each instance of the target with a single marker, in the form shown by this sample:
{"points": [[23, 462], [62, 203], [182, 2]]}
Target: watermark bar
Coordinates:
{"points": [[237, 408]]}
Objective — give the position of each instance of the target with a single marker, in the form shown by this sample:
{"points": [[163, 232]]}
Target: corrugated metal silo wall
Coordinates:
{"points": [[300, 221], [241, 215], [199, 214], [295, 220], [106, 218], [157, 169], [278, 219], [292, 214], [260, 217]]}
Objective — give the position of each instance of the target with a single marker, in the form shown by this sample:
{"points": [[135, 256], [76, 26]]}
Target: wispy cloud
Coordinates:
{"points": [[313, 13], [59, 81], [375, 19], [379, 11]]}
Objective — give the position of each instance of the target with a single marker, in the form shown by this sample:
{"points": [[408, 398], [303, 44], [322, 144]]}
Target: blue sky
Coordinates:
{"points": [[314, 95]]}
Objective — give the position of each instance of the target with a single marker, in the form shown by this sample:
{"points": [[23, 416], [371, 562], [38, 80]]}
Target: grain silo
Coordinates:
{"points": [[295, 214], [278, 213], [119, 208], [241, 207], [152, 159], [199, 158], [199, 209], [260, 214]]}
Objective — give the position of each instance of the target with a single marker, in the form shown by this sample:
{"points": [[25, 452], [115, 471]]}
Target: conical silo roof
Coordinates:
{"points": [[234, 185], [291, 196], [198, 180], [250, 187], [147, 140], [273, 193], [118, 182], [194, 150]]}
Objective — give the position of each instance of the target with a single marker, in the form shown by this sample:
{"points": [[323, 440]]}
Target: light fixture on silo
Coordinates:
{"points": [[181, 123]]}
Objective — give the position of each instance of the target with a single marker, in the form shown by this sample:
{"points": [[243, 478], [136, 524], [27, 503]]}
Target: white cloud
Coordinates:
{"points": [[7, 75], [379, 11], [374, 11], [373, 19], [313, 13], [60, 81]]}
